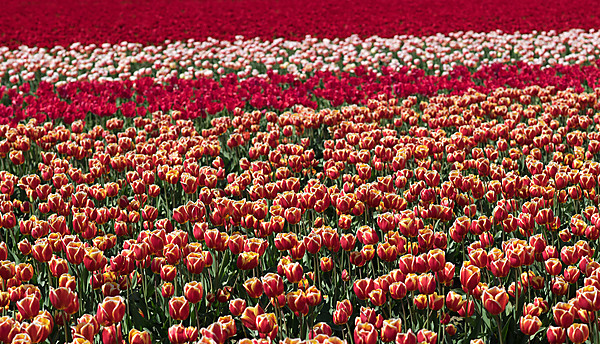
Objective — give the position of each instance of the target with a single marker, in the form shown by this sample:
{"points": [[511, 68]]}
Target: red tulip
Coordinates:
{"points": [[139, 337], [406, 338], [530, 324], [29, 306], [495, 300], [237, 307], [578, 333], [193, 291], [111, 311], [365, 334], [556, 335], [179, 308], [253, 287]]}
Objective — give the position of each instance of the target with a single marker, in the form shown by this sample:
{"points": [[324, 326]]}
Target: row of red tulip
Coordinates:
{"points": [[103, 21], [199, 98]]}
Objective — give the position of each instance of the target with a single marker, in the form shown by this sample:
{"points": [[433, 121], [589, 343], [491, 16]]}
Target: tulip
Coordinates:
{"points": [[167, 290], [247, 260], [363, 287], [326, 264], [589, 298], [553, 266], [436, 259], [195, 263], [61, 297], [139, 337], [168, 273], [297, 302], [365, 334], [228, 325], [556, 335], [177, 334], [253, 287], [435, 302], [426, 336], [249, 316], [530, 324], [94, 259], [313, 296], [421, 301], [111, 311], [426, 284], [223, 294], [39, 329], [24, 272], [470, 277], [193, 291], [571, 274], [216, 332], [406, 338], [320, 329], [450, 330], [29, 306], [179, 308], [340, 317], [22, 338], [377, 297], [8, 329], [578, 333], [7, 269], [237, 306], [41, 251], [495, 300], [397, 290], [75, 252], [266, 322], [559, 286], [293, 272], [390, 329]]}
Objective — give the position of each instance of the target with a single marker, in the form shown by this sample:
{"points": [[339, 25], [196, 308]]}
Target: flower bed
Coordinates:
{"points": [[434, 187]]}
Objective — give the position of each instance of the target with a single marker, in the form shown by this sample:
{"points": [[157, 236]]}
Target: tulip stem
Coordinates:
{"points": [[66, 328], [351, 338], [516, 295], [196, 306], [499, 325], [411, 309]]}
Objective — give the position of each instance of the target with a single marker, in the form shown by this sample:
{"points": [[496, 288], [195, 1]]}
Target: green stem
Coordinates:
{"points": [[499, 325]]}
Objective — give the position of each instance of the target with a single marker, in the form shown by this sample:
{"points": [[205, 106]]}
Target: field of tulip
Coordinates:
{"points": [[320, 177]]}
